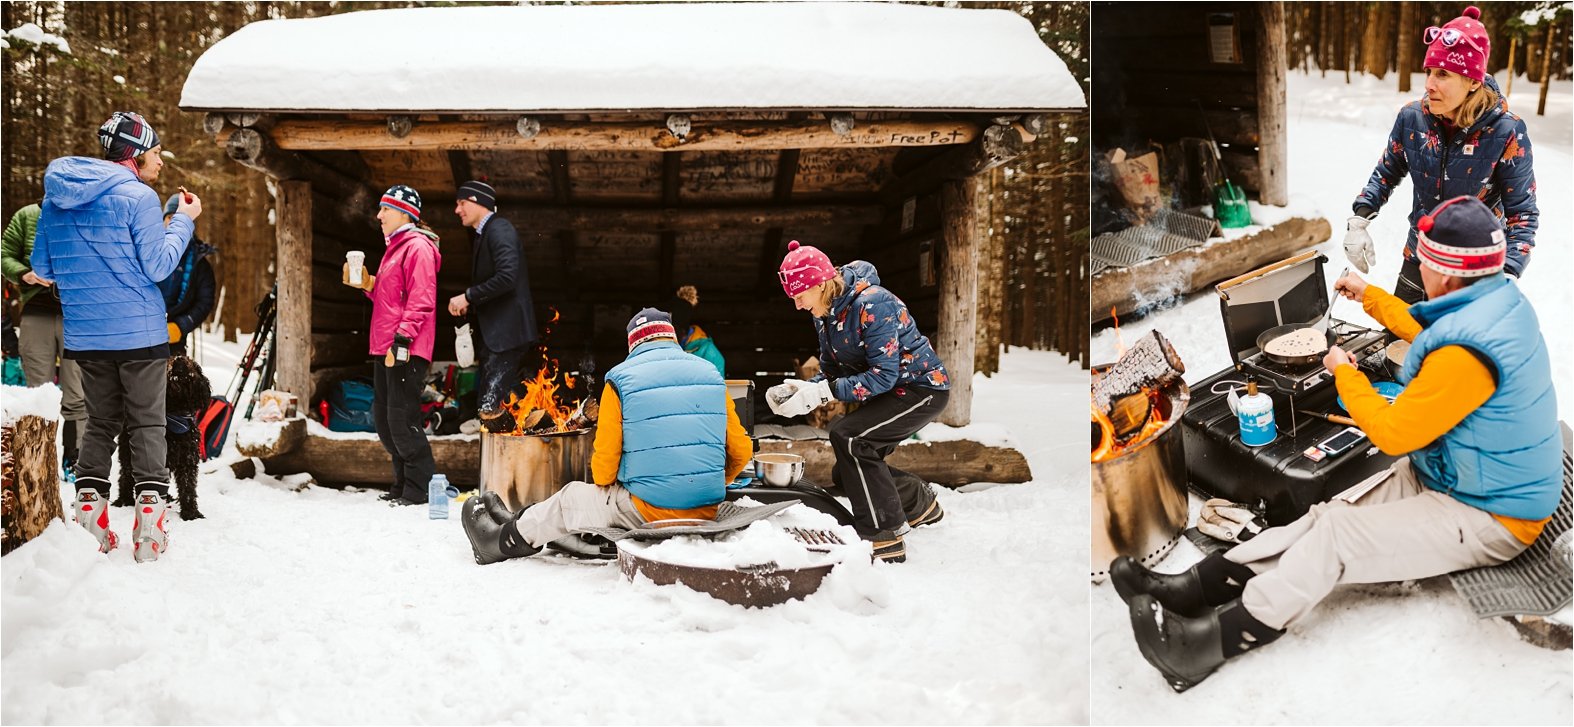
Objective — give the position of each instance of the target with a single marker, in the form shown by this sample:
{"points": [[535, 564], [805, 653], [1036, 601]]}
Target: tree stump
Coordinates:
{"points": [[30, 480]]}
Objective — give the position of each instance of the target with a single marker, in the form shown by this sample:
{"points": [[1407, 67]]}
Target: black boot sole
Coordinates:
{"points": [[467, 518], [1155, 644]]}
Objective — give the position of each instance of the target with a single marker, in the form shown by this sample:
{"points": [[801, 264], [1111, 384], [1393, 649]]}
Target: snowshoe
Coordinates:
{"points": [[1186, 650], [1214, 581], [888, 547], [931, 515], [148, 537], [91, 511]]}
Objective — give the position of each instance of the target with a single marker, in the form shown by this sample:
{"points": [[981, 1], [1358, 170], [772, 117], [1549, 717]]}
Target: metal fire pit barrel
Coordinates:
{"points": [[525, 469], [1139, 496]]}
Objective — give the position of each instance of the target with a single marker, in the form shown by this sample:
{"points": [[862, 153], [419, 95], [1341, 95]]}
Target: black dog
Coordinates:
{"points": [[187, 392]]}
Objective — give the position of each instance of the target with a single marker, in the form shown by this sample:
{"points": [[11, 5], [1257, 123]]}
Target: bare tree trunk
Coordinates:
{"points": [[1407, 22], [1513, 44], [1546, 66]]}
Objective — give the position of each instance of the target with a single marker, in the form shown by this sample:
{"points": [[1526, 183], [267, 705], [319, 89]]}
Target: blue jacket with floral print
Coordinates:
{"points": [[1490, 161], [869, 343]]}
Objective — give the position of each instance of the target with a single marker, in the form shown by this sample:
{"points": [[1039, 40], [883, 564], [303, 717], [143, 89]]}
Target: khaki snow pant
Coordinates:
{"points": [[41, 342], [577, 506], [1400, 530]]}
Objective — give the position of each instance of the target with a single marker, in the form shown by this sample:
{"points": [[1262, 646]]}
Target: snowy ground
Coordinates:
{"points": [[1409, 653], [324, 606]]}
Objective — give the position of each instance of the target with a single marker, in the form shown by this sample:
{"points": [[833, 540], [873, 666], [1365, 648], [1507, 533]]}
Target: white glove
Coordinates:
{"points": [[1228, 521], [806, 397], [1358, 245]]}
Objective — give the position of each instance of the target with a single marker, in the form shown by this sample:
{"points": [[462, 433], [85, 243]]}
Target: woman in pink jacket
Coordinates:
{"points": [[404, 327]]}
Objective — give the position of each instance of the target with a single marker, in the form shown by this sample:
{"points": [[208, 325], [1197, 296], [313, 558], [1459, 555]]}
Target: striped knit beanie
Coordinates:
{"points": [[125, 135], [649, 325], [1462, 238], [478, 192], [403, 199]]}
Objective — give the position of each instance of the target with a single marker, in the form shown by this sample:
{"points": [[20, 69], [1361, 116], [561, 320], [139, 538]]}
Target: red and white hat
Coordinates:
{"points": [[648, 325], [803, 268], [1462, 238], [403, 199], [1460, 46]]}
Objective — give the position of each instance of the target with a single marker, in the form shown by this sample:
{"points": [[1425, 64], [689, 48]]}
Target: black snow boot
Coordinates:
{"points": [[491, 529], [1186, 650], [1214, 581]]}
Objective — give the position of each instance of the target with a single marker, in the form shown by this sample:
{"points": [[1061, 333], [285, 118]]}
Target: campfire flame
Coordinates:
{"points": [[1107, 445], [1120, 341], [550, 390]]}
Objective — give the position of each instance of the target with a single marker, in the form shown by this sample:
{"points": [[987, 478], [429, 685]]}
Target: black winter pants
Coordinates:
{"points": [[396, 409], [883, 498], [499, 371], [125, 395], [1408, 286]]}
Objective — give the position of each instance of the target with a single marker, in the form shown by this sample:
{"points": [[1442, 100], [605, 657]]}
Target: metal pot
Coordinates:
{"points": [[1139, 497], [1277, 331], [526, 469], [779, 469]]}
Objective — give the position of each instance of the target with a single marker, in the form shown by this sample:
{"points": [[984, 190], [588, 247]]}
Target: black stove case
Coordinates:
{"points": [[1278, 477]]}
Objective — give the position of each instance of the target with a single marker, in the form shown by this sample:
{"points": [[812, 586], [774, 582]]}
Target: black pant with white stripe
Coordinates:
{"points": [[883, 498]]}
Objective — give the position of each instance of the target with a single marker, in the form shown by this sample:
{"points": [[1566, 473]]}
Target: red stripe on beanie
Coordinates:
{"points": [[402, 206]]}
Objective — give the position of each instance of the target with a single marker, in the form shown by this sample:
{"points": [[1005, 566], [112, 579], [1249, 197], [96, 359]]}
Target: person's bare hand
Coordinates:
{"points": [[190, 205], [1337, 357], [31, 277], [458, 304], [1351, 286]]}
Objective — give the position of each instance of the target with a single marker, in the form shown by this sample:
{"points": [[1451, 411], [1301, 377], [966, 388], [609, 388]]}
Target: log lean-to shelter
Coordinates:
{"points": [[636, 148], [1169, 75]]}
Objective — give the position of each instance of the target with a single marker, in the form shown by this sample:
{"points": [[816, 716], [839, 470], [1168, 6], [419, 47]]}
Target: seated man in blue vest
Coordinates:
{"points": [[667, 443], [1479, 421]]}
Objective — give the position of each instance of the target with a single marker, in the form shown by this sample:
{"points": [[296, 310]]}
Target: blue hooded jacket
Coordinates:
{"points": [[1490, 161], [101, 239], [870, 344]]}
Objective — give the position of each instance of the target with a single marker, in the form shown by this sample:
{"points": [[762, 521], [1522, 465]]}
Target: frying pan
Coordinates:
{"points": [[1277, 331]]}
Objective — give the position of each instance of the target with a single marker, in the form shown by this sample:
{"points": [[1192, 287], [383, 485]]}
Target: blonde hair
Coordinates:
{"points": [[833, 288], [1477, 103]]}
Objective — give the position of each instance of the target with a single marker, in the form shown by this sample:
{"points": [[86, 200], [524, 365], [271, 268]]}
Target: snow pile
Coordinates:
{"points": [[258, 435], [38, 401], [596, 57], [31, 34], [1390, 653], [323, 593], [762, 542], [989, 434]]}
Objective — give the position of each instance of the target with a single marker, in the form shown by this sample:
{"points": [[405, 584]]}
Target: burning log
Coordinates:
{"points": [[1151, 362]]}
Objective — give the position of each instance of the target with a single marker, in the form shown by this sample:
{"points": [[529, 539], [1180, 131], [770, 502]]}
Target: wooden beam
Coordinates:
{"points": [[309, 134], [781, 193], [958, 295], [996, 146], [692, 219], [459, 164], [671, 186], [1272, 151], [293, 261], [254, 149]]}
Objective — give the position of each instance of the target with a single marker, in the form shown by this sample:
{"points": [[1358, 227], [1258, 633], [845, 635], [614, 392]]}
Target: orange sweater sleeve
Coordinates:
{"points": [[608, 446], [1452, 383], [1391, 312], [739, 449]]}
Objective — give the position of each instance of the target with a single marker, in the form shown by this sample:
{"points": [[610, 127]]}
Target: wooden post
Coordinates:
{"points": [[29, 479], [1547, 49], [1272, 150], [1407, 40], [1513, 46], [293, 263], [958, 294]]}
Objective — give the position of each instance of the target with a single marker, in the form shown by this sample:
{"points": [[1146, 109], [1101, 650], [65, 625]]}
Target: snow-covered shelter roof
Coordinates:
{"points": [[689, 56]]}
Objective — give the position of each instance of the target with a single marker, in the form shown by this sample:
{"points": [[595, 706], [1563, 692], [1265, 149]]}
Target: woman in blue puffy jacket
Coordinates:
{"points": [[1460, 140], [871, 352]]}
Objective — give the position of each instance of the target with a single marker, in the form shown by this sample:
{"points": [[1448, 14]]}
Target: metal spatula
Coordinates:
{"points": [[1322, 323]]}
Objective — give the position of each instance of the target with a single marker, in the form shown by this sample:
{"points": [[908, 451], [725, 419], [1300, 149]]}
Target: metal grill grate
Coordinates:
{"points": [[1167, 233], [1539, 581]]}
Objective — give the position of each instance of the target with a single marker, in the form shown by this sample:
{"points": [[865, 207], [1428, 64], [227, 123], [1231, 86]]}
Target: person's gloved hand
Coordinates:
{"points": [[399, 352], [174, 333], [806, 397], [1358, 244], [368, 280], [780, 394], [1229, 521]]}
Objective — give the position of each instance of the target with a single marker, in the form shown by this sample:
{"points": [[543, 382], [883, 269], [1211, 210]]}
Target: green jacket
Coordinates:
{"points": [[18, 249]]}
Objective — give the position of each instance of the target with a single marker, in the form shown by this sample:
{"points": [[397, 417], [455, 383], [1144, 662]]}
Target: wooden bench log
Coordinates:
{"points": [[951, 463], [29, 480], [1192, 269], [362, 460], [287, 437]]}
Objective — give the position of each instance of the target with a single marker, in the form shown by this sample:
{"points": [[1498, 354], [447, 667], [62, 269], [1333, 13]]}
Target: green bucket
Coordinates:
{"points": [[1229, 206]]}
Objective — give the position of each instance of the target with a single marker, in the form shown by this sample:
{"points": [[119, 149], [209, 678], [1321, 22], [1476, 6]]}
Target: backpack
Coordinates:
{"points": [[213, 424], [350, 406]]}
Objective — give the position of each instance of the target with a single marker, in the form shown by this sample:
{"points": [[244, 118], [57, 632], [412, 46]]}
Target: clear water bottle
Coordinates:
{"points": [[437, 497]]}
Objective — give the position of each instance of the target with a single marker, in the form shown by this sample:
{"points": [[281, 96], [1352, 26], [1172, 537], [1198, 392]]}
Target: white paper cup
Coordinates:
{"points": [[357, 261]]}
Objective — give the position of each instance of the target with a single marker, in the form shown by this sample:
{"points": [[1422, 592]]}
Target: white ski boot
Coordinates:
{"points": [[91, 511], [149, 539]]}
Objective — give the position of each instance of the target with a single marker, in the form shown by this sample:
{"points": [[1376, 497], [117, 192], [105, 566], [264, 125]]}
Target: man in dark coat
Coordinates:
{"points": [[499, 298], [189, 291]]}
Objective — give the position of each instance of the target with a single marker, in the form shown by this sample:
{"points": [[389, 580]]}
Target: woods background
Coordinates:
{"points": [[135, 56]]}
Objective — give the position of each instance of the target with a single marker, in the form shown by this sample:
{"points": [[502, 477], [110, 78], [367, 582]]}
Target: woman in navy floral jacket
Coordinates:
{"points": [[870, 352], [1459, 140]]}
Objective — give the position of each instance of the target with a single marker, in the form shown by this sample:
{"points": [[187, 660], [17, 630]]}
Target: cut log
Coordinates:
{"points": [[1131, 288], [503, 134], [364, 461], [952, 464], [269, 439], [1151, 361], [29, 480]]}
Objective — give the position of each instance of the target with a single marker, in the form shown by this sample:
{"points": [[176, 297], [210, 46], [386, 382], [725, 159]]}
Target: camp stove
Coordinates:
{"points": [[1280, 477]]}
